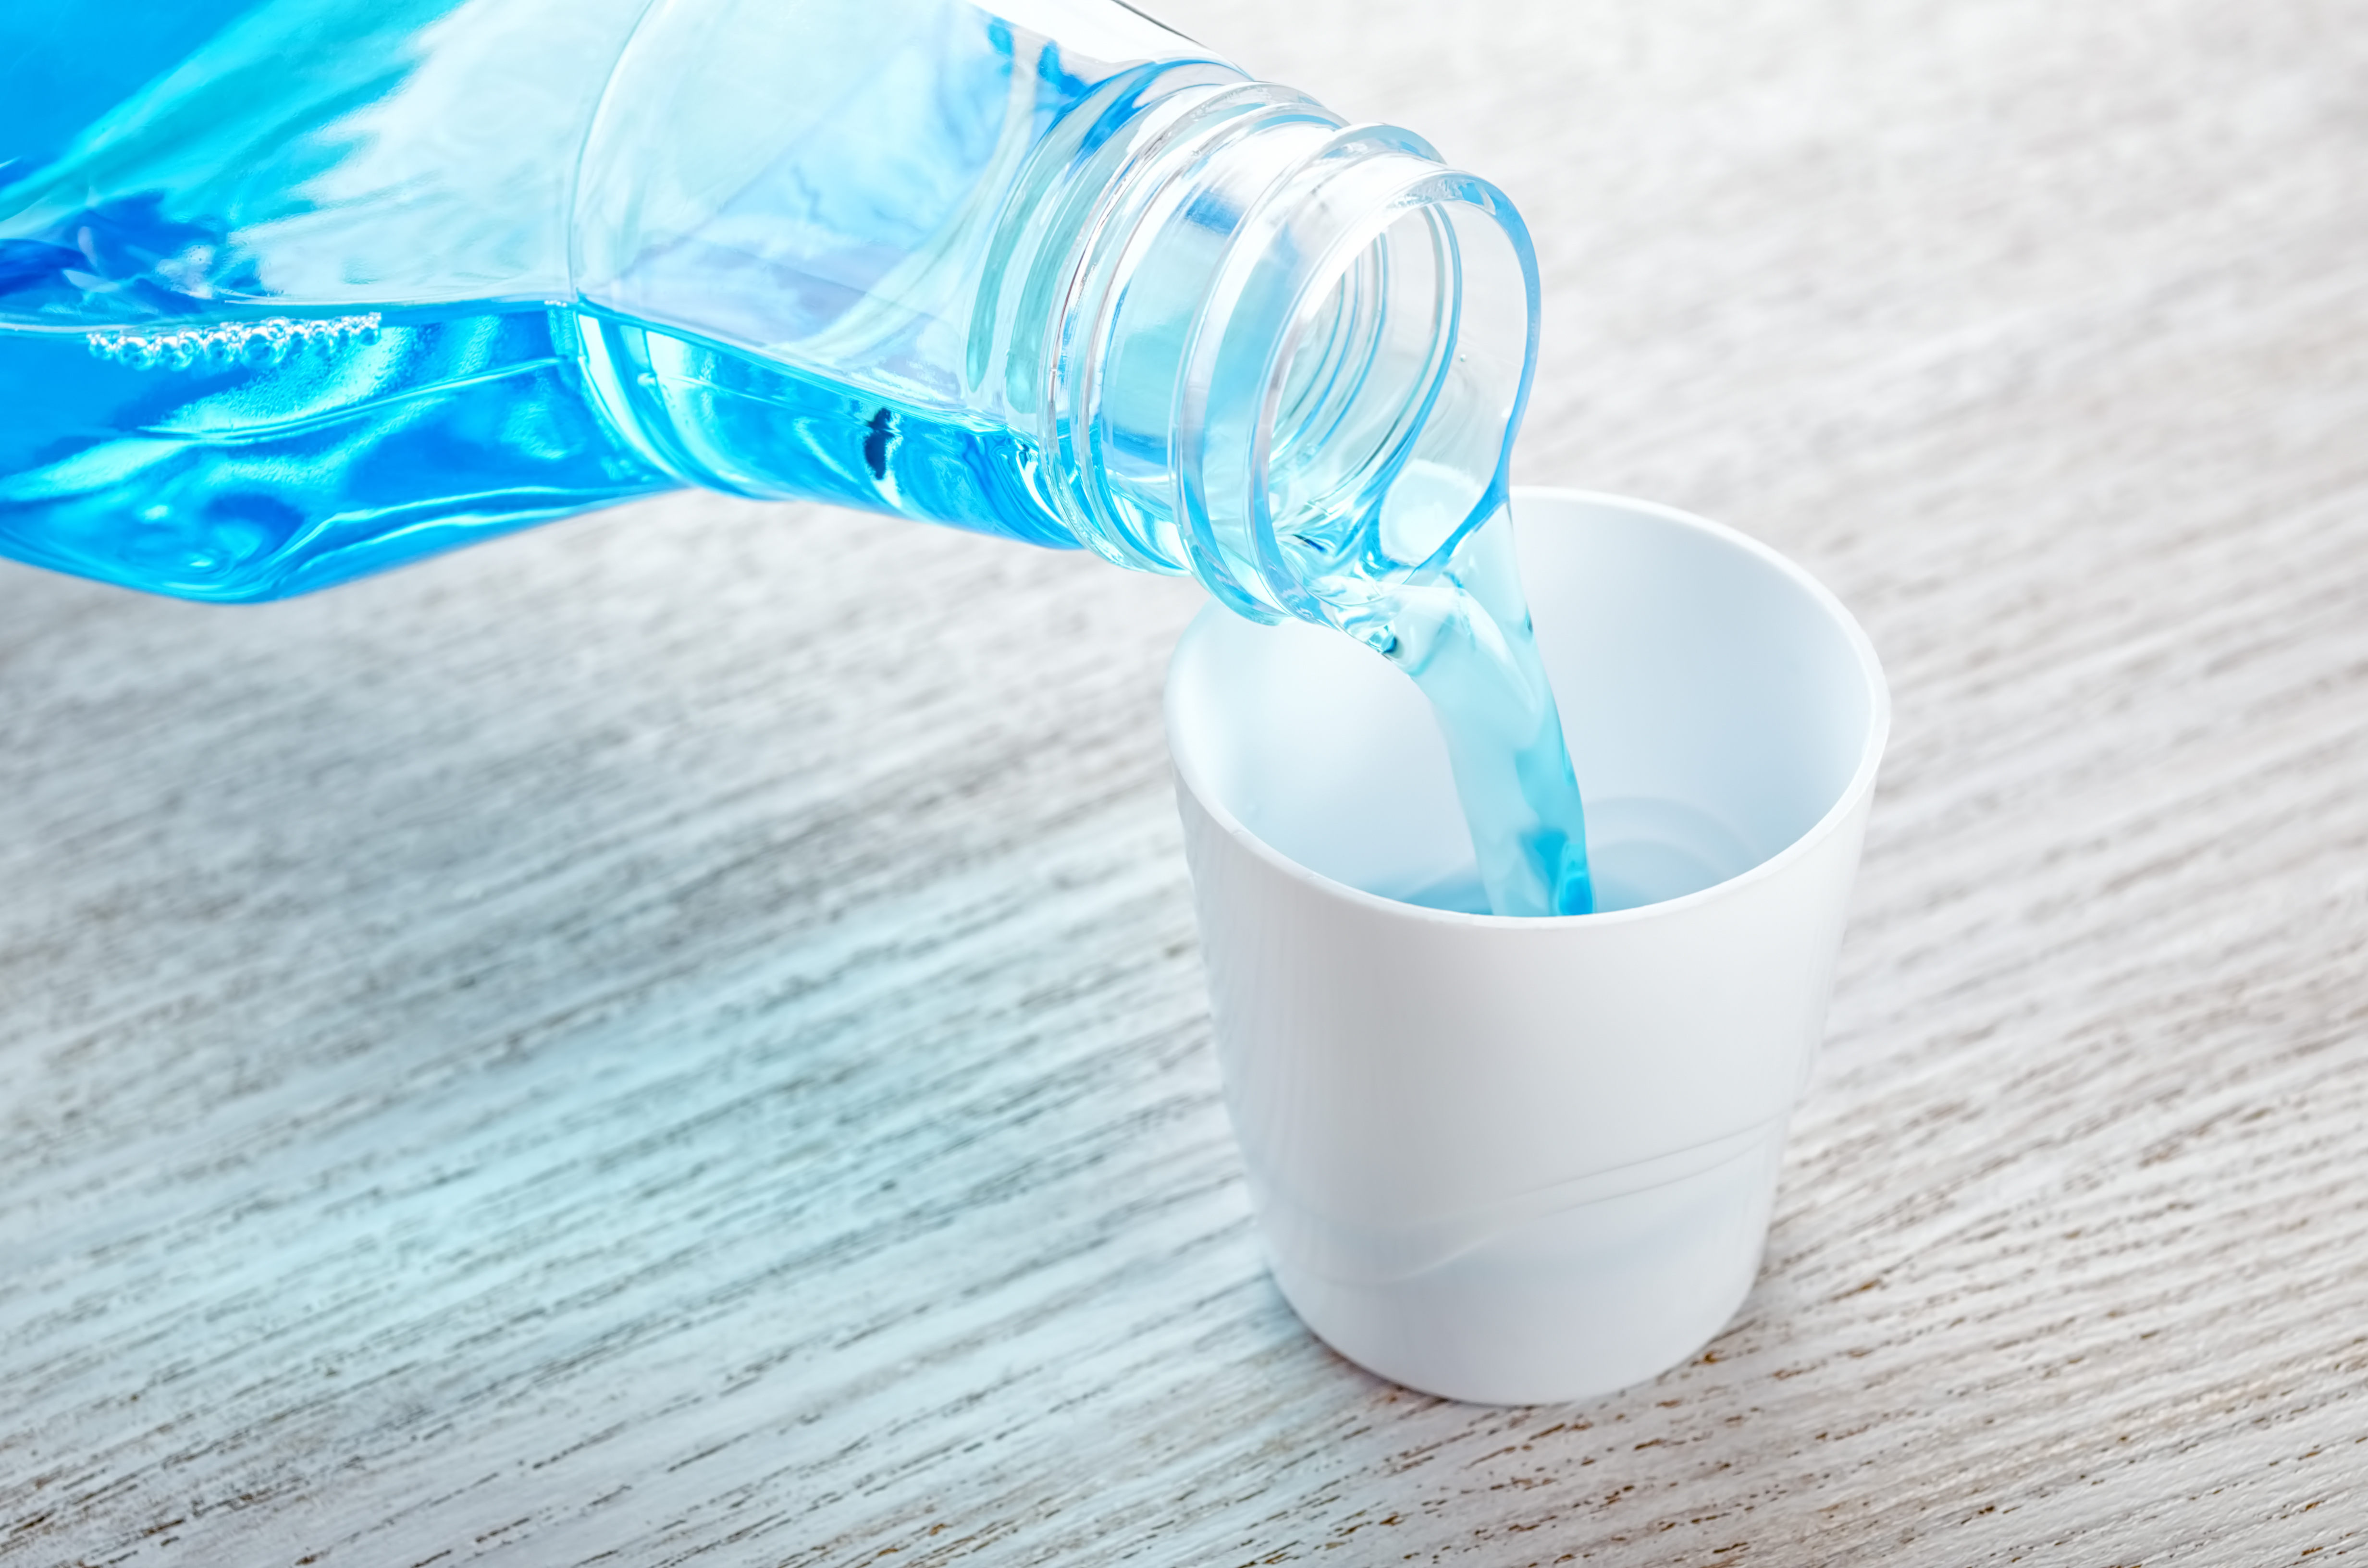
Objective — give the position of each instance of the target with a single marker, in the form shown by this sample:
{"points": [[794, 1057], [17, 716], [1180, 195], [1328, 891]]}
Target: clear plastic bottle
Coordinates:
{"points": [[296, 290], [354, 280]]}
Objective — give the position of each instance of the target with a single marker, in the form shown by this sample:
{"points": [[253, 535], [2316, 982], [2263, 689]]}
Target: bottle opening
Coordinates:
{"points": [[1292, 358], [1399, 393], [1357, 381]]}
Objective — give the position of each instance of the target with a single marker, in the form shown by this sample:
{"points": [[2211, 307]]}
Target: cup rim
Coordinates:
{"points": [[1861, 785]]}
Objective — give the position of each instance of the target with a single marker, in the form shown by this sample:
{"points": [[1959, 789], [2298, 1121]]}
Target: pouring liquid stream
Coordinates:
{"points": [[1465, 640]]}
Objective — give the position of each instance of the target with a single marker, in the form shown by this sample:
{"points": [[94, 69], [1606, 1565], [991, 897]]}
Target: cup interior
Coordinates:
{"points": [[1717, 702]]}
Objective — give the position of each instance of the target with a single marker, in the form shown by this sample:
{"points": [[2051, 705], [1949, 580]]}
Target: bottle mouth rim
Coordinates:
{"points": [[1398, 189], [1296, 200]]}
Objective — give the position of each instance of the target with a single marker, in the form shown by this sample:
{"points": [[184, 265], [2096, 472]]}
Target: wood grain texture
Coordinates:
{"points": [[677, 1037]]}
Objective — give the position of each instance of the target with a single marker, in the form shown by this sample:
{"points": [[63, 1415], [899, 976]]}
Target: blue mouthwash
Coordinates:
{"points": [[298, 291]]}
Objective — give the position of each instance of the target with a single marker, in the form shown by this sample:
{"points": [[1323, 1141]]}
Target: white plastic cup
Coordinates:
{"points": [[1516, 1161]]}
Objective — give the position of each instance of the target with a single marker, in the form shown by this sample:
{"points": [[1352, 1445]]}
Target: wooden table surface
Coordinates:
{"points": [[679, 1038]]}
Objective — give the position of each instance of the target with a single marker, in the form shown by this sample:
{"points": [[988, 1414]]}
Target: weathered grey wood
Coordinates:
{"points": [[677, 1037]]}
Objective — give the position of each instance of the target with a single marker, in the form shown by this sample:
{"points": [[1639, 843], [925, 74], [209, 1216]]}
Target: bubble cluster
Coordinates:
{"points": [[224, 345]]}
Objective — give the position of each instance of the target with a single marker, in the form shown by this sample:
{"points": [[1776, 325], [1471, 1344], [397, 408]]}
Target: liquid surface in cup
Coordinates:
{"points": [[170, 431], [1640, 852]]}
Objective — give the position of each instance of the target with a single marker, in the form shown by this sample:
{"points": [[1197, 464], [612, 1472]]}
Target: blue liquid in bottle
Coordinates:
{"points": [[299, 290]]}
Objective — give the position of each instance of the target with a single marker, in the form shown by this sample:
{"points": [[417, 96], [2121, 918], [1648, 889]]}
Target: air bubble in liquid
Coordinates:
{"points": [[251, 342]]}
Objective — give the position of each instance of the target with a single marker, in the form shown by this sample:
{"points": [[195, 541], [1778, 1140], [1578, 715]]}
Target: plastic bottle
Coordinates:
{"points": [[298, 291]]}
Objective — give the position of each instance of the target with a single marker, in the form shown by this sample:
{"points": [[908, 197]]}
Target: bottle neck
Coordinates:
{"points": [[1283, 354]]}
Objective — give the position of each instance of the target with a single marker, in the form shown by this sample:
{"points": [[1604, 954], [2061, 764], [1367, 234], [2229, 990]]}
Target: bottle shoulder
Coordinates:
{"points": [[320, 154]]}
